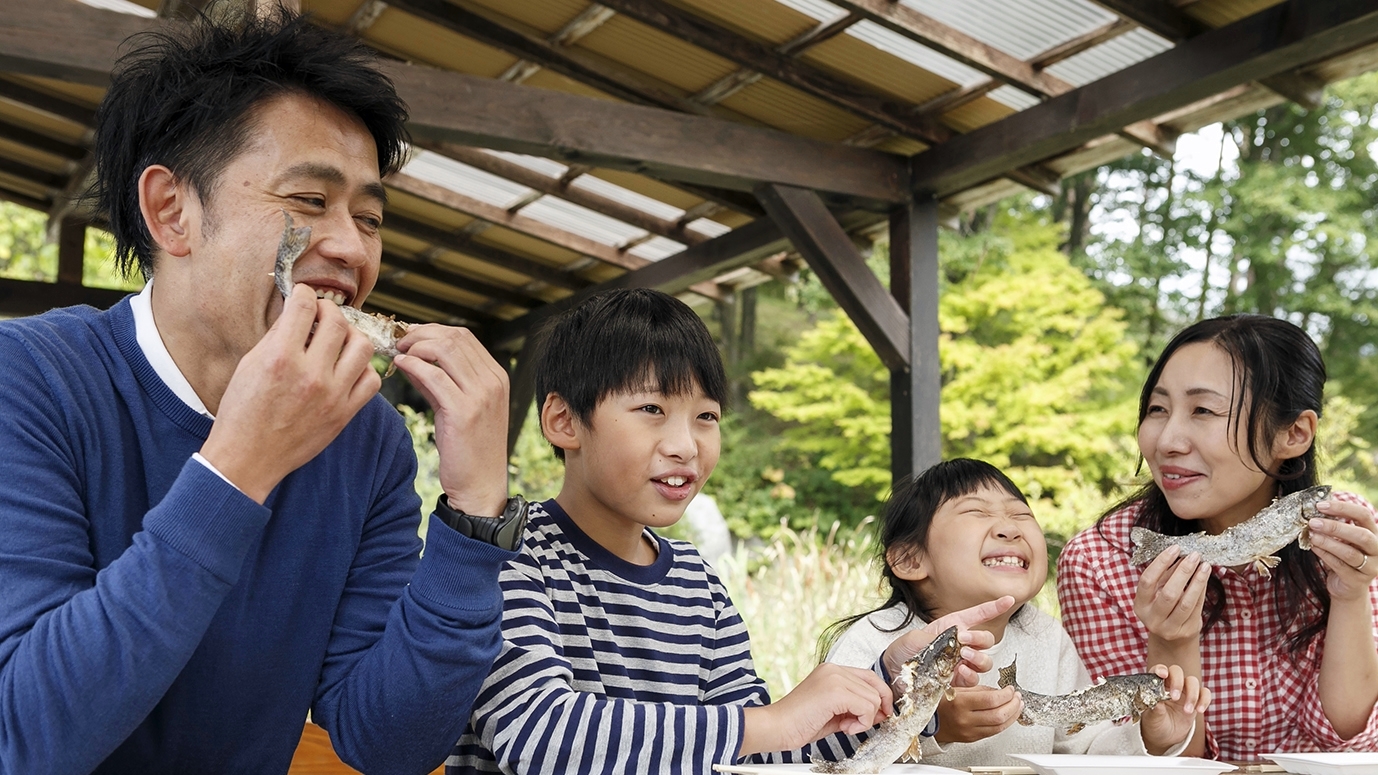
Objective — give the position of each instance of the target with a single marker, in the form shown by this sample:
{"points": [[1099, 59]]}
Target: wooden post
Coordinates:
{"points": [[71, 249], [522, 391], [916, 435]]}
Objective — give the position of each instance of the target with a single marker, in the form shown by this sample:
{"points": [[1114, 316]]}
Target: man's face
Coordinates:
{"points": [[318, 163]]}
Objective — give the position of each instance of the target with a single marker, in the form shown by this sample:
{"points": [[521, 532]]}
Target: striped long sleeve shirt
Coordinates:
{"points": [[608, 666]]}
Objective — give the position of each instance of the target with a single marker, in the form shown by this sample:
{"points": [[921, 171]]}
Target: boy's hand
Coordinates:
{"points": [[832, 698], [1170, 721], [976, 713], [973, 660], [468, 391]]}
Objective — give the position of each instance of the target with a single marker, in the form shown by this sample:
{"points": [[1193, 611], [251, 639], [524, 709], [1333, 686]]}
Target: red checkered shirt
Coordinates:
{"points": [[1261, 700]]}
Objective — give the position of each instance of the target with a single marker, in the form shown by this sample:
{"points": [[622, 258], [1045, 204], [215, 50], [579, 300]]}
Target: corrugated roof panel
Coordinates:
{"points": [[122, 6], [1218, 13], [33, 157], [72, 92], [819, 10], [540, 164], [481, 269], [764, 21], [793, 111], [547, 16], [904, 146], [422, 41], [1109, 57], [853, 59], [335, 12], [1013, 98], [1021, 28], [516, 242], [549, 79], [663, 192], [709, 226], [582, 221], [976, 113], [627, 197], [456, 176], [455, 293], [424, 210], [915, 53], [38, 121], [656, 248], [657, 54]]}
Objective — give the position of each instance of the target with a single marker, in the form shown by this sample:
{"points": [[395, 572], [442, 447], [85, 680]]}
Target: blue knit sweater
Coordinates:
{"points": [[154, 619]]}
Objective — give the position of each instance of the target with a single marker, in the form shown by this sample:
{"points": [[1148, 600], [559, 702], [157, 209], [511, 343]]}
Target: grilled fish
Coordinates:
{"points": [[1256, 540], [1120, 697], [382, 332], [923, 680]]}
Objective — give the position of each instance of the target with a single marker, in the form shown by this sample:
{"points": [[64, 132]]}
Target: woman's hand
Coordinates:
{"points": [[1169, 722], [1171, 596], [1349, 551]]}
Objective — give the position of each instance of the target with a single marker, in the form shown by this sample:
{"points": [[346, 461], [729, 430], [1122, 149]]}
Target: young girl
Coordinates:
{"points": [[962, 533], [1227, 422]]}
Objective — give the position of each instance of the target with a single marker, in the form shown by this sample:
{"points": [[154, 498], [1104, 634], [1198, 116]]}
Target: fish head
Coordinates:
{"points": [[1149, 690], [937, 662], [294, 242], [1309, 498]]}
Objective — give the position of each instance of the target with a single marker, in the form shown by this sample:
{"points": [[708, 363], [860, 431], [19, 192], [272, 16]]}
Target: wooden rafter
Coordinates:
{"points": [[463, 243], [741, 78], [1278, 39], [399, 264]]}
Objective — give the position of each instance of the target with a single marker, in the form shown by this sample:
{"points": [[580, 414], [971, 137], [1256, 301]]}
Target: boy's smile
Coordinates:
{"points": [[637, 463]]}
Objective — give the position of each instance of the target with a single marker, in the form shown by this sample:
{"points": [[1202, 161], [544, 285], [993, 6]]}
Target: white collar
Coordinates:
{"points": [[151, 343]]}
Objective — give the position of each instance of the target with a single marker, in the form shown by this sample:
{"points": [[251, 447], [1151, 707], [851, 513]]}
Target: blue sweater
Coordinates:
{"points": [[154, 619]]}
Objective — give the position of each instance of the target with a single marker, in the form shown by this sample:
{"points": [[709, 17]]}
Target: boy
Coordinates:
{"points": [[622, 651]]}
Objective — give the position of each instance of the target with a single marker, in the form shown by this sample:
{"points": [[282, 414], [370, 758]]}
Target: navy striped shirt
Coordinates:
{"points": [[608, 666]]}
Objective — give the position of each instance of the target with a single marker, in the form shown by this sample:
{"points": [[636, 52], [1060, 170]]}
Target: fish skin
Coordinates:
{"points": [[1256, 540], [923, 680], [382, 332], [1123, 696]]}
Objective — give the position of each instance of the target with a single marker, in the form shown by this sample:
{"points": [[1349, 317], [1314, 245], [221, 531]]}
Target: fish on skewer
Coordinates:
{"points": [[923, 680], [1256, 540], [382, 332], [1113, 699]]}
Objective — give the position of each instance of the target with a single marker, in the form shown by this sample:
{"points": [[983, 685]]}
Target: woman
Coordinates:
{"points": [[1227, 423]]}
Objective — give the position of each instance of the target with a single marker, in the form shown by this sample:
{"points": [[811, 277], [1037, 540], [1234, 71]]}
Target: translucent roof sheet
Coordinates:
{"points": [[915, 53], [540, 164], [122, 6], [463, 179], [1014, 98], [1109, 57], [820, 10], [657, 248], [582, 221], [1021, 28], [627, 197]]}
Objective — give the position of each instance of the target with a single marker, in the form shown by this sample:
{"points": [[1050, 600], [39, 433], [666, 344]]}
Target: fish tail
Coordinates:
{"points": [[1007, 675], [1147, 545]]}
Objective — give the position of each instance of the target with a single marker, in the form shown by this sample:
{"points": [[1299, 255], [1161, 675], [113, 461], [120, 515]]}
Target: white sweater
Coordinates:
{"points": [[1048, 664]]}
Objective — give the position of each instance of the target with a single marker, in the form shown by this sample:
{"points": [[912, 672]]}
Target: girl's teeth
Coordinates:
{"points": [[674, 481]]}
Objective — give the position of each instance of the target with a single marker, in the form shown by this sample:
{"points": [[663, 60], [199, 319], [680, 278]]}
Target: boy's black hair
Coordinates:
{"points": [[627, 340], [185, 97], [909, 512]]}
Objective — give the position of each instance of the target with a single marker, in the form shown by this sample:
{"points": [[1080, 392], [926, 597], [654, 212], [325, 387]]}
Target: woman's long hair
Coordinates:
{"points": [[1278, 374], [909, 512]]}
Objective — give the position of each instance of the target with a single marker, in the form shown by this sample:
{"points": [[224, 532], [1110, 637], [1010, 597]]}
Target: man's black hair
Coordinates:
{"points": [[185, 96], [627, 340]]}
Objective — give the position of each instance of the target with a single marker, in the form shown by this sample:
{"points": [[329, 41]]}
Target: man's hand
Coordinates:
{"points": [[1169, 722], [468, 391], [976, 713], [290, 395], [974, 660], [832, 698]]}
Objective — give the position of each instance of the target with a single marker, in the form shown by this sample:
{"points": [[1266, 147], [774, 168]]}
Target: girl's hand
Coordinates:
{"points": [[973, 641], [1169, 722], [1349, 551], [976, 713], [1171, 596]]}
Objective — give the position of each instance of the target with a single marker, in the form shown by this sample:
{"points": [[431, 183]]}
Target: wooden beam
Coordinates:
{"points": [[1302, 88], [762, 58], [557, 187], [451, 312], [462, 243], [818, 237], [468, 110], [71, 250], [1277, 39], [47, 103], [64, 40], [1160, 17], [740, 247], [522, 390], [23, 297], [41, 142], [531, 227], [992, 61], [916, 392], [31, 173]]}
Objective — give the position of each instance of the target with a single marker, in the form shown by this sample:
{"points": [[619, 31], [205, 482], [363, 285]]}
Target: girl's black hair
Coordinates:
{"points": [[185, 97], [1279, 374], [909, 512], [627, 340]]}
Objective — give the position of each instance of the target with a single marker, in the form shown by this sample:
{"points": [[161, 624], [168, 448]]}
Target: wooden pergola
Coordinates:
{"points": [[696, 146]]}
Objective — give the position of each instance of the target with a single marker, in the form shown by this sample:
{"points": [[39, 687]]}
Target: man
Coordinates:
{"points": [[209, 525]]}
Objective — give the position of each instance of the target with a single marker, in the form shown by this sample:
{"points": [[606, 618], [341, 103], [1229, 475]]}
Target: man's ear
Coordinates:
{"points": [[164, 200], [558, 423], [1295, 439], [907, 563]]}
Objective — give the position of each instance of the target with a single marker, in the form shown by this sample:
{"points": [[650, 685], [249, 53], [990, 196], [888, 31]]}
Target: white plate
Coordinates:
{"points": [[777, 769], [1340, 763], [1082, 764]]}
